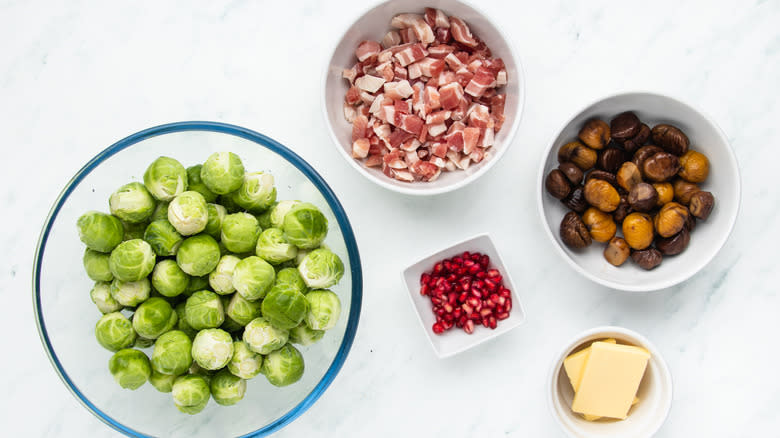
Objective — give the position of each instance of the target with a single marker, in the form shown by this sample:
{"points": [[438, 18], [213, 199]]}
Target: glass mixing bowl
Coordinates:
{"points": [[66, 316]]}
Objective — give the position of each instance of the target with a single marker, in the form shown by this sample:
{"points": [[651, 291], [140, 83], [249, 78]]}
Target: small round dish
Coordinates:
{"points": [[372, 25], [655, 391], [708, 237], [66, 316]]}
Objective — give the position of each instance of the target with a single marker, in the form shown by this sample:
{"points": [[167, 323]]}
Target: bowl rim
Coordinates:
{"points": [[383, 182], [263, 141], [661, 284]]}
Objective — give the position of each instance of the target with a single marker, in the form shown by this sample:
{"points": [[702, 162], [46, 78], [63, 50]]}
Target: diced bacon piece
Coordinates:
{"points": [[411, 124], [453, 62], [417, 22], [423, 137], [387, 170], [398, 90], [397, 137], [488, 137], [376, 104], [440, 51], [441, 19], [385, 56], [387, 113], [423, 153], [392, 157], [350, 74], [438, 161], [403, 175], [442, 35], [477, 155], [430, 66], [363, 109], [353, 95], [461, 32], [464, 162], [369, 83], [408, 36], [450, 95], [376, 146], [495, 65], [382, 130], [481, 81], [497, 104], [415, 71], [359, 127], [455, 140], [474, 65], [439, 149], [350, 112], [391, 39], [399, 72], [464, 76], [374, 161], [479, 116], [418, 104], [426, 170], [367, 98], [450, 166], [386, 70], [453, 156], [430, 17], [437, 129], [411, 157], [410, 54], [410, 145], [438, 117], [470, 139], [431, 98], [456, 126], [446, 77], [501, 78], [459, 113], [360, 148], [367, 49], [401, 107]]}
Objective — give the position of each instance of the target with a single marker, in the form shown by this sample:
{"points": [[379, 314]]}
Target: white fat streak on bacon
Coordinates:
{"points": [[418, 102], [441, 19], [438, 161], [359, 126], [403, 175], [350, 112], [376, 104], [453, 62], [477, 155], [437, 129], [470, 138], [360, 148], [391, 39], [367, 49], [408, 35], [398, 90], [369, 83], [461, 32], [410, 54], [488, 137], [367, 98], [415, 71], [450, 166], [430, 66], [410, 145], [349, 74], [431, 98], [386, 70], [501, 78], [382, 130], [440, 51], [450, 95], [474, 65], [438, 117], [417, 23], [399, 72], [479, 116], [412, 157], [385, 56]]}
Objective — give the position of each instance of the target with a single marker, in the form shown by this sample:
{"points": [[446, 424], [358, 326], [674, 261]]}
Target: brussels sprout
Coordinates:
{"points": [[130, 293], [245, 362], [239, 232], [163, 238], [160, 211], [253, 277], [187, 213], [273, 247], [304, 335], [324, 309], [283, 308], [242, 311], [162, 382], [291, 279], [279, 211], [321, 268], [114, 332], [222, 172], [221, 278], [284, 366], [133, 231], [165, 178], [262, 337], [190, 393], [196, 284], [101, 296], [204, 310], [182, 325], [132, 203], [217, 214], [130, 368], [96, 265], [154, 317], [142, 342], [257, 192], [305, 226], [99, 231], [227, 389], [195, 184], [212, 349], [231, 326], [198, 255], [229, 204], [172, 353], [264, 219], [169, 279], [132, 260]]}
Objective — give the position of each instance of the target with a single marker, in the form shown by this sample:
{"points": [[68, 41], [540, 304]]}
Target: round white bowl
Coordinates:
{"points": [[655, 391], [372, 25], [708, 237]]}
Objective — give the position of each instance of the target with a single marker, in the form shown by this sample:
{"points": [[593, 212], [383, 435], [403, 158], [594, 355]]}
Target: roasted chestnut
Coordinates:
{"points": [[623, 210], [595, 134], [638, 230], [701, 204], [576, 200], [572, 172], [660, 167], [579, 154], [670, 219], [557, 184], [573, 231], [602, 175], [600, 224], [610, 159], [601, 195], [684, 190], [617, 251], [647, 259], [639, 140], [671, 139], [628, 176], [644, 153], [694, 167], [624, 126], [665, 193], [675, 244], [642, 197]]}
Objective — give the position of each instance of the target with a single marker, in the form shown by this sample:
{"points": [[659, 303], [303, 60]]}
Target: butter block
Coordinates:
{"points": [[574, 364]]}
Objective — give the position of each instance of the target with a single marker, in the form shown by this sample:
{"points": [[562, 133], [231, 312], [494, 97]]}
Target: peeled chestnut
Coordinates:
{"points": [[701, 204], [557, 184], [601, 195], [665, 193], [624, 126], [600, 224], [579, 154], [602, 175], [595, 134], [644, 153], [576, 200], [647, 259], [623, 210], [670, 219], [671, 139], [642, 197], [638, 230], [610, 159], [617, 251], [684, 190], [628, 176], [660, 167], [675, 244], [694, 167], [573, 231], [572, 172], [639, 140]]}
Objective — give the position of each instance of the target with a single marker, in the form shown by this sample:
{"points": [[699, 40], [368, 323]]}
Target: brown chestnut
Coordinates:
{"points": [[647, 259], [623, 210], [638, 230], [602, 175], [660, 167], [595, 134], [671, 139], [642, 197], [675, 244], [573, 231], [557, 184], [610, 159], [701, 204], [617, 251], [628, 176], [684, 190], [639, 140], [600, 224], [601, 195], [670, 219], [576, 200], [572, 172], [579, 154], [694, 167], [644, 153], [690, 224], [665, 193], [624, 126]]}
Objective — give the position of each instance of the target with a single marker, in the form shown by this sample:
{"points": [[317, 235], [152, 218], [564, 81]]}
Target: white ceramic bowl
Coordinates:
{"points": [[655, 391], [372, 25], [455, 340], [708, 237]]}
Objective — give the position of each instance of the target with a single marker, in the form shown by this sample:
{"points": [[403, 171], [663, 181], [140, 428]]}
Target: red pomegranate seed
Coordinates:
{"points": [[462, 297], [457, 313], [466, 255], [436, 300], [452, 298], [468, 263], [481, 275], [490, 284], [424, 279], [465, 283], [457, 261], [462, 320], [504, 292], [476, 270], [485, 322], [440, 311], [468, 327], [476, 257], [438, 328], [502, 316], [473, 301], [447, 266], [484, 313], [490, 304], [451, 278], [496, 299], [476, 293], [484, 261], [438, 268], [493, 273], [448, 317], [468, 309], [508, 305], [447, 325], [424, 290], [475, 317], [447, 308], [492, 322]]}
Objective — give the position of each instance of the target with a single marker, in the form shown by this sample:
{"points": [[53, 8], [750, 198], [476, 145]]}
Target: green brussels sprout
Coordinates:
{"points": [[172, 353], [187, 213], [130, 293], [190, 393], [114, 331], [96, 265], [130, 368], [264, 218], [142, 342], [324, 309], [241, 310], [231, 326], [321, 268], [304, 335], [245, 362], [273, 247], [290, 278], [196, 284], [239, 232], [163, 238], [162, 382], [305, 226], [181, 324], [221, 278], [212, 349], [257, 192], [168, 278], [284, 308], [132, 260], [198, 370], [198, 255], [217, 214], [253, 277], [227, 389], [133, 231], [262, 337], [229, 204], [204, 310], [99, 231], [154, 317], [165, 178], [222, 172], [287, 264], [160, 211], [101, 296], [284, 366], [279, 211], [132, 203], [195, 184]]}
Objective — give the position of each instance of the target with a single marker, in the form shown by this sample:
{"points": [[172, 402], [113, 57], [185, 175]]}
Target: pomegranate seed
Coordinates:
{"points": [[476, 257], [452, 277], [468, 309], [493, 273], [452, 298], [485, 322], [476, 293], [462, 297], [485, 313], [484, 261], [481, 275], [438, 268], [440, 311], [438, 328], [447, 266], [501, 301], [462, 320], [495, 299], [502, 316], [448, 317], [468, 263], [468, 327], [462, 270], [504, 292], [447, 308], [508, 304], [473, 301], [475, 317], [424, 290], [424, 279], [458, 288], [476, 270], [457, 313], [438, 292], [436, 300], [490, 284], [457, 261], [479, 284], [465, 283], [492, 323], [447, 325], [490, 304], [466, 255]]}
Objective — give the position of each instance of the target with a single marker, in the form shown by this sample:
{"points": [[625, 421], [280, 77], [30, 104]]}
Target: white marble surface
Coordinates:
{"points": [[76, 76]]}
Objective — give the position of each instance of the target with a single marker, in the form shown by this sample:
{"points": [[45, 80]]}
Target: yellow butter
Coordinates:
{"points": [[574, 363]]}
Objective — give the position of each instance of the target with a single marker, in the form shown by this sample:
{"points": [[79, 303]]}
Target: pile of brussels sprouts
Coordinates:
{"points": [[206, 268]]}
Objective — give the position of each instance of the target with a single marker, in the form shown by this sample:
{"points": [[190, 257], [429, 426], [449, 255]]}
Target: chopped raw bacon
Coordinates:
{"points": [[398, 90], [441, 19], [386, 70], [376, 105], [442, 35], [479, 116], [391, 39], [349, 74], [438, 117], [417, 22], [437, 129], [453, 62], [440, 51], [439, 149], [463, 76], [431, 97], [385, 56], [430, 66], [470, 139], [359, 127], [461, 32], [367, 49], [410, 54], [367, 98], [430, 17], [410, 145], [425, 170], [455, 140], [411, 157], [411, 123], [360, 148], [403, 175], [397, 137], [481, 81], [373, 161], [369, 83], [501, 78], [401, 107], [477, 155], [450, 95], [487, 138], [408, 35], [349, 112]]}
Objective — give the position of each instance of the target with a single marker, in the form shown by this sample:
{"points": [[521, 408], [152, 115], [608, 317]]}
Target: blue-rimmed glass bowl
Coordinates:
{"points": [[66, 316]]}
